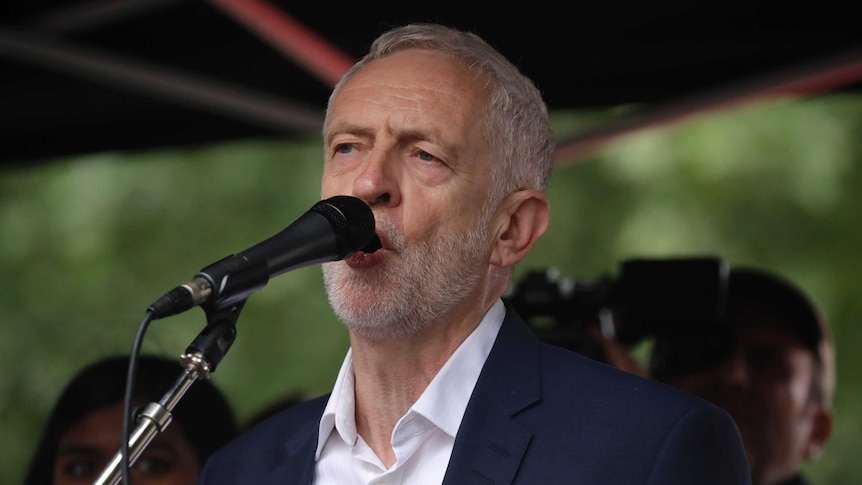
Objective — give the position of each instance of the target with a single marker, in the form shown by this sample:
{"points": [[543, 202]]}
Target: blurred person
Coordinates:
{"points": [[777, 380], [84, 429], [451, 147], [770, 364]]}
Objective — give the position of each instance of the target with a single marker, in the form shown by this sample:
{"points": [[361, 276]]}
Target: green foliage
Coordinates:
{"points": [[87, 244]]}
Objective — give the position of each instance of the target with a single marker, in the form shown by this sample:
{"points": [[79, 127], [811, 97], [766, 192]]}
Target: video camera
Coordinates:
{"points": [[675, 300]]}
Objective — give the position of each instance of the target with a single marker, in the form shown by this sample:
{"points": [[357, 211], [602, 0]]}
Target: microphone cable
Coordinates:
{"points": [[129, 395]]}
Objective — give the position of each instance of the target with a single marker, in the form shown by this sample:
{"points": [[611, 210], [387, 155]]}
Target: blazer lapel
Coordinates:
{"points": [[297, 468], [491, 443]]}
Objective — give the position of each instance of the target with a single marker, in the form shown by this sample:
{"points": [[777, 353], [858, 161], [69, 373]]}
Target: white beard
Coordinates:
{"points": [[416, 284]]}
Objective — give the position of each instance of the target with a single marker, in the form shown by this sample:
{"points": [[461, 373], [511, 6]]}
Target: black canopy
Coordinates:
{"points": [[81, 76]]}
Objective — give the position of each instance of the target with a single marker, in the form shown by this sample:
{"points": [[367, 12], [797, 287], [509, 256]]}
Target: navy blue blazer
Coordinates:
{"points": [[539, 414]]}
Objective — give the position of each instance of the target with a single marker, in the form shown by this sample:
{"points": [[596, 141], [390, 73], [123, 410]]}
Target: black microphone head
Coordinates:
{"points": [[353, 222]]}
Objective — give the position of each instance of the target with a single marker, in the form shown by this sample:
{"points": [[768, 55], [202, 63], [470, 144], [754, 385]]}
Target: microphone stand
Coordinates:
{"points": [[200, 359]]}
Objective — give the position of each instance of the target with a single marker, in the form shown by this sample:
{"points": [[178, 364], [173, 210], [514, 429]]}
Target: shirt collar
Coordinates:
{"points": [[443, 402], [445, 399]]}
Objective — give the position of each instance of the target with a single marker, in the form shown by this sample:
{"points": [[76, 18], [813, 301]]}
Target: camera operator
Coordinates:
{"points": [[770, 364], [742, 338]]}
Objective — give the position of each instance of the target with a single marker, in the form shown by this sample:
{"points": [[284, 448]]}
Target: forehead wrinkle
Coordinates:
{"points": [[340, 128], [414, 126], [405, 104], [403, 134]]}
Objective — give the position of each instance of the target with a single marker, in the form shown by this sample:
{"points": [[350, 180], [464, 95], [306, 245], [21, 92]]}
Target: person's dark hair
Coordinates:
{"points": [[800, 316], [748, 289], [203, 413]]}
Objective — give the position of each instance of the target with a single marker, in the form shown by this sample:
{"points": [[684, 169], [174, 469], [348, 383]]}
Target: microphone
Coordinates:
{"points": [[331, 230]]}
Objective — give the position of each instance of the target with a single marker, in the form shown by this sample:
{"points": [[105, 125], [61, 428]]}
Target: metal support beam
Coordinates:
{"points": [[264, 110], [804, 80]]}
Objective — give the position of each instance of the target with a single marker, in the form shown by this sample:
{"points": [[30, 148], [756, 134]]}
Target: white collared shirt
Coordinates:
{"points": [[423, 438]]}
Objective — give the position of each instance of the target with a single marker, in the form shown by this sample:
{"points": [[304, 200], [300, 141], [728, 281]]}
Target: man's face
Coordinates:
{"points": [[405, 135], [87, 447], [766, 386]]}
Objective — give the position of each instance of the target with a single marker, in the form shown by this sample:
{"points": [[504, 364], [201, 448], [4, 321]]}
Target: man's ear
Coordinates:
{"points": [[821, 431], [520, 221]]}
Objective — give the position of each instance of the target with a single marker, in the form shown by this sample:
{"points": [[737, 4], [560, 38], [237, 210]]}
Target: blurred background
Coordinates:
{"points": [[87, 244], [121, 180]]}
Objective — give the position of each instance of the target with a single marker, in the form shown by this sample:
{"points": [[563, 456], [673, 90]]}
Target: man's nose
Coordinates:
{"points": [[378, 181]]}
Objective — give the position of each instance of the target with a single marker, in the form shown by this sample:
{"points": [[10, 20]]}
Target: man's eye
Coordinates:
{"points": [[426, 157], [154, 466], [345, 148], [79, 468]]}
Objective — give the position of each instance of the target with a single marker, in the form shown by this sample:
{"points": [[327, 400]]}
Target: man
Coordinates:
{"points": [[776, 379], [769, 362], [79, 438], [451, 148]]}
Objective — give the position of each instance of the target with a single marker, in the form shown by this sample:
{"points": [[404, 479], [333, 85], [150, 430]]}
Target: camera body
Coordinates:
{"points": [[671, 299]]}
